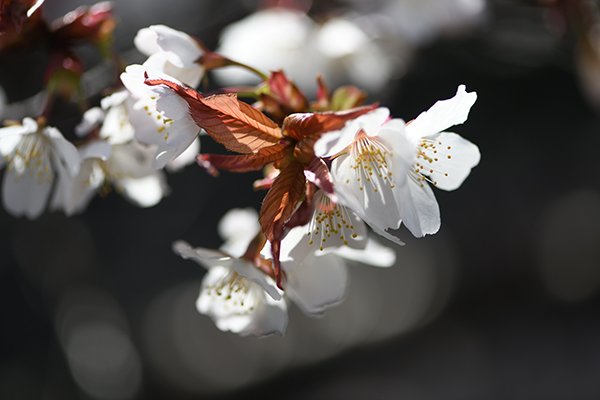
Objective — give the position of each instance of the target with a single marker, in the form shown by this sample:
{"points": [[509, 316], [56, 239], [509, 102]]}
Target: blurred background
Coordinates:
{"points": [[502, 303]]}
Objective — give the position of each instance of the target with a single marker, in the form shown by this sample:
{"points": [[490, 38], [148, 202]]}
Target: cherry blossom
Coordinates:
{"points": [[159, 116], [381, 166], [33, 155], [170, 51], [236, 295]]}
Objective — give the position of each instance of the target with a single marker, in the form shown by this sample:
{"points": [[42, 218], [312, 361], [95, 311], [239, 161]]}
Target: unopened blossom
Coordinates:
{"points": [[159, 116], [236, 295], [382, 167], [170, 51], [32, 156]]}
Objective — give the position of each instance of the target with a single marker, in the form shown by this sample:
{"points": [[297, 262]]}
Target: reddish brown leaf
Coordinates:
{"points": [[286, 92], [304, 213], [322, 102], [318, 173], [246, 162], [236, 125], [281, 200], [301, 125]]}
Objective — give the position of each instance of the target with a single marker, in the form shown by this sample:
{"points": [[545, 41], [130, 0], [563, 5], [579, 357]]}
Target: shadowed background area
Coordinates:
{"points": [[501, 303]]}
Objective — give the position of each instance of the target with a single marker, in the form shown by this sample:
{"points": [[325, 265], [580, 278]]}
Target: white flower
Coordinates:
{"points": [[383, 166], [127, 167], [111, 161], [350, 52], [33, 155], [317, 277], [159, 116], [75, 192], [170, 51], [270, 40], [236, 295], [237, 228]]}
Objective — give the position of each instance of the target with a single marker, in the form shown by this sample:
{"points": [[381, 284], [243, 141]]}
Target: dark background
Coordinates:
{"points": [[501, 304]]}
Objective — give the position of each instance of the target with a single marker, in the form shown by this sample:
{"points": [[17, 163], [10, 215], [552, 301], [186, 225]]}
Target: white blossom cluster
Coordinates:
{"points": [[124, 143], [380, 167]]}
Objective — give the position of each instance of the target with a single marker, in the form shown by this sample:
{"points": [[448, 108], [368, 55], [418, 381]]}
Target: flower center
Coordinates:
{"points": [[32, 156], [330, 220], [161, 121], [371, 163], [235, 292], [429, 154]]}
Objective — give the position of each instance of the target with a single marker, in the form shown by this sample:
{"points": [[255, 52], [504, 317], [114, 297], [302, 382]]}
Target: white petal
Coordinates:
{"points": [[73, 194], [114, 99], [455, 158], [133, 79], [26, 193], [186, 158], [269, 319], [65, 151], [418, 208], [146, 191], [91, 120], [131, 160], [9, 139], [178, 135], [375, 203], [206, 257], [116, 127], [135, 75], [334, 142], [442, 115], [34, 7], [96, 149], [372, 122], [253, 274], [181, 48], [374, 254], [191, 75], [403, 151], [145, 42], [156, 62], [294, 246], [239, 222], [317, 283], [340, 37]]}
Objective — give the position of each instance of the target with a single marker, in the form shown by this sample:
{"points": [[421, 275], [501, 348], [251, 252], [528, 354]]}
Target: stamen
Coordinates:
{"points": [[330, 221], [31, 156], [371, 164], [235, 292], [429, 153]]}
